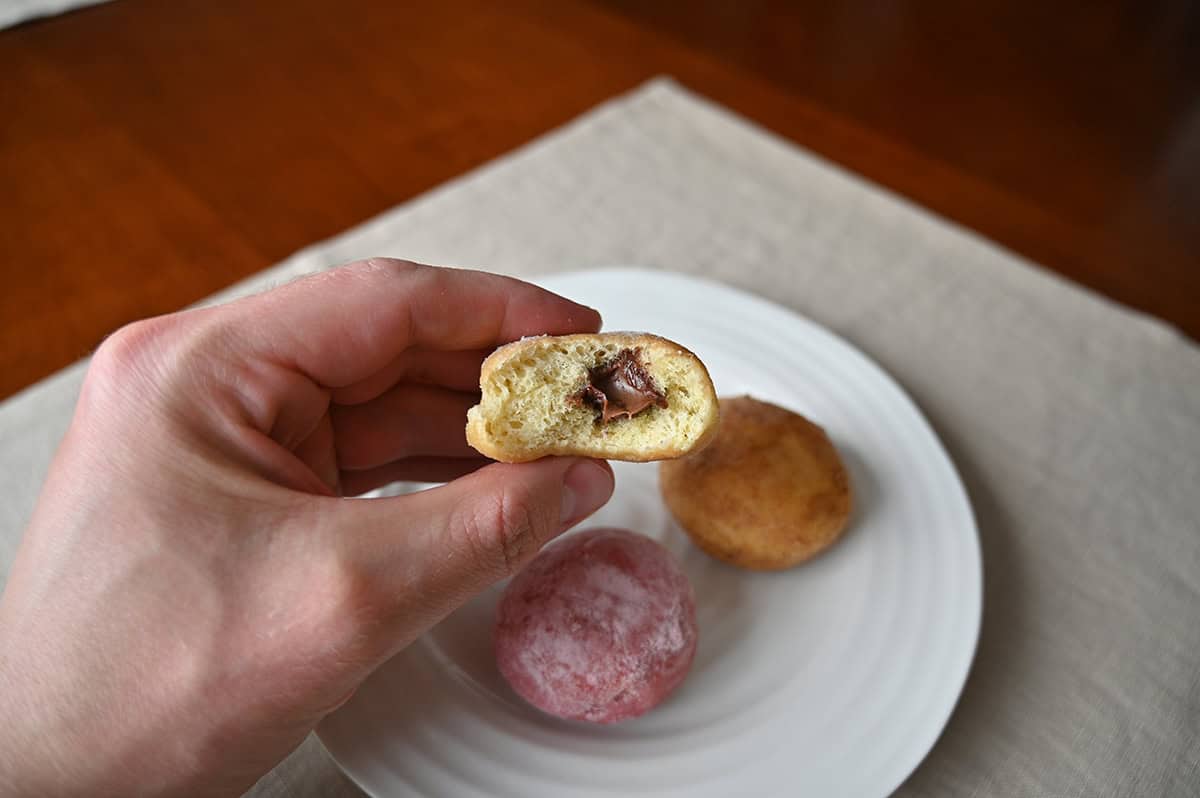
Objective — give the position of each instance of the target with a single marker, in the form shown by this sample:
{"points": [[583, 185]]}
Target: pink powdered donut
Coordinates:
{"points": [[599, 627]]}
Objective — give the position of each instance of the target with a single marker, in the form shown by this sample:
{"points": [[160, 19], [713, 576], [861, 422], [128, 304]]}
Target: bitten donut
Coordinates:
{"points": [[768, 493], [618, 396], [599, 627]]}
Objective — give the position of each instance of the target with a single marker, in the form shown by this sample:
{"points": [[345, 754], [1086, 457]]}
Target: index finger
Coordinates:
{"points": [[345, 324]]}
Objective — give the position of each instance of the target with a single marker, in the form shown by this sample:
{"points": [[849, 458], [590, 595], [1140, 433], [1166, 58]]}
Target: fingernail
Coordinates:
{"points": [[586, 487]]}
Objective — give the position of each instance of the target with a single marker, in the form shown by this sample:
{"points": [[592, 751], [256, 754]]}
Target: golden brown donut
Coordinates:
{"points": [[617, 395], [768, 493]]}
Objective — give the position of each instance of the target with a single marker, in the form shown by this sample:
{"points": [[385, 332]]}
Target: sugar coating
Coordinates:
{"points": [[599, 627]]}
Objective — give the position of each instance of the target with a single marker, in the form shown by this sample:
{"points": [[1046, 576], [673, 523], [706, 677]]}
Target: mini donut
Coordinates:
{"points": [[599, 627], [770, 491], [618, 396]]}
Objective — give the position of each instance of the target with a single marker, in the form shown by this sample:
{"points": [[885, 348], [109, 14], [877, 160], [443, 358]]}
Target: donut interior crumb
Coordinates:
{"points": [[530, 402]]}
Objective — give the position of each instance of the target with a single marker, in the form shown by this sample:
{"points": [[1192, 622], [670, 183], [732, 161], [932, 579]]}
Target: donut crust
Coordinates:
{"points": [[530, 405], [768, 493]]}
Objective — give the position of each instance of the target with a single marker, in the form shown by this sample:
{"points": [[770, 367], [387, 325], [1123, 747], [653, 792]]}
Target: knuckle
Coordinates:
{"points": [[346, 586], [502, 533], [146, 357], [380, 271], [354, 608], [386, 266], [126, 349], [126, 359], [372, 274], [359, 272]]}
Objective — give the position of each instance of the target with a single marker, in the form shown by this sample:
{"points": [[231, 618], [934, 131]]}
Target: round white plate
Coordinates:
{"points": [[834, 678]]}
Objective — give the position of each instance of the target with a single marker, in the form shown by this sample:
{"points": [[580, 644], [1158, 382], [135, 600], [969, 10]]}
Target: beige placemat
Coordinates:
{"points": [[1075, 423], [13, 12]]}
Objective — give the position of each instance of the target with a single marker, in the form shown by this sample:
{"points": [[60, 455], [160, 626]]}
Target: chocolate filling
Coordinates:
{"points": [[620, 387]]}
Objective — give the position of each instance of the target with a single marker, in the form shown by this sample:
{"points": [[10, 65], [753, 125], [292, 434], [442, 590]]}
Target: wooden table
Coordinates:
{"points": [[153, 152]]}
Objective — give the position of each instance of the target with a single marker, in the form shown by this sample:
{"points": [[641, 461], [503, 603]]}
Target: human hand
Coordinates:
{"points": [[193, 595]]}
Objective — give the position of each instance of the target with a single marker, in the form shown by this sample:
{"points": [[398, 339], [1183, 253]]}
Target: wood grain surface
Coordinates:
{"points": [[154, 152]]}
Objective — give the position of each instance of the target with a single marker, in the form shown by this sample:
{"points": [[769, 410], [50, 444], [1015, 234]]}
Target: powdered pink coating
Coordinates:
{"points": [[599, 627]]}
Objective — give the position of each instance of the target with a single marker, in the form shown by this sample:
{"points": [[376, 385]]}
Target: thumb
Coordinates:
{"points": [[426, 553], [487, 525]]}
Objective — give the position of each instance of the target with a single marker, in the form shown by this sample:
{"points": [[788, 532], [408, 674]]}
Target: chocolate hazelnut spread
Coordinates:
{"points": [[620, 387]]}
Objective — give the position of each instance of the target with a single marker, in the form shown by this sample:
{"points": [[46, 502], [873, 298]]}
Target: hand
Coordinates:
{"points": [[193, 595]]}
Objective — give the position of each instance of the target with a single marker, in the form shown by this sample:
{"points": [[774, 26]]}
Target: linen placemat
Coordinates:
{"points": [[1074, 422], [13, 12]]}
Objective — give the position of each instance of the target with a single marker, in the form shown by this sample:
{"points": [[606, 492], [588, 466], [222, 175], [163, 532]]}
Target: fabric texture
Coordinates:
{"points": [[14, 12], [1074, 422]]}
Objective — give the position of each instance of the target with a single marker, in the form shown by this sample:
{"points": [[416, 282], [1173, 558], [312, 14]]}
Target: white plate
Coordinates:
{"points": [[834, 678]]}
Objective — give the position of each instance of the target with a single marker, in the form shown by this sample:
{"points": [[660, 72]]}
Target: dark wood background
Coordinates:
{"points": [[153, 152]]}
